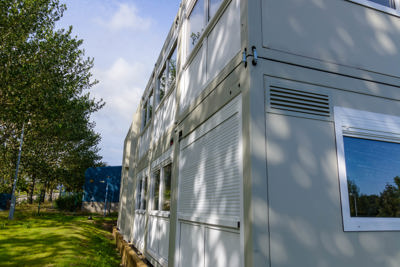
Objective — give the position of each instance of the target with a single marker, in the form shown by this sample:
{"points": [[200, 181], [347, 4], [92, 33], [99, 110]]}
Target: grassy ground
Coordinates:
{"points": [[56, 239]]}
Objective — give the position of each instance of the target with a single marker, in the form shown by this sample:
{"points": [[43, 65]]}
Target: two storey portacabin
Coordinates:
{"points": [[269, 135]]}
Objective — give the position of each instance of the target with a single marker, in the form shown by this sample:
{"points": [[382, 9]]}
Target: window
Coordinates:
{"points": [[167, 78], [213, 7], [201, 14], [144, 194], [161, 189], [166, 200], [368, 147], [172, 69], [138, 193], [196, 23], [141, 192], [388, 3], [383, 5], [162, 84], [150, 107], [147, 110], [156, 190]]}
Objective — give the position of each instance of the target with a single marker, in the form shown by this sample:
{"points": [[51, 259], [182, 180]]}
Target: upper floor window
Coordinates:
{"points": [[388, 3], [368, 146], [202, 12], [389, 6], [147, 110], [167, 78]]}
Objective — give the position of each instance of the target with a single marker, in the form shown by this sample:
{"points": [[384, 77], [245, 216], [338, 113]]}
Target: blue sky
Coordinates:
{"points": [[124, 38]]}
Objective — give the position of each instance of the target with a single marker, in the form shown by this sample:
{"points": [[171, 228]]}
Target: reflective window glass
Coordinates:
{"points": [[388, 3], [373, 177], [172, 70], [167, 188], [139, 194], [162, 80], [156, 190], [213, 7], [144, 193], [196, 23]]}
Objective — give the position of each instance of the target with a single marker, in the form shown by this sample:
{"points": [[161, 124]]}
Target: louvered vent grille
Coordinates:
{"points": [[299, 101]]}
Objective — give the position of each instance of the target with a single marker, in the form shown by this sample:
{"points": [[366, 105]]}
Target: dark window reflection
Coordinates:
{"points": [[373, 177], [388, 3]]}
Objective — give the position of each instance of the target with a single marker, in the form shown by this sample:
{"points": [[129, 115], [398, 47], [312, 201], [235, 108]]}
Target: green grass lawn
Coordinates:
{"points": [[56, 239]]}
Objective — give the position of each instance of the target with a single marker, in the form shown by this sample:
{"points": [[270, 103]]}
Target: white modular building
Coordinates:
{"points": [[269, 135]]}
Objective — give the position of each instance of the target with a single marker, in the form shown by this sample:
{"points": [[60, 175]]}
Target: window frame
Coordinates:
{"points": [[160, 168], [394, 11], [371, 126], [207, 22], [147, 110], [158, 165], [142, 180]]}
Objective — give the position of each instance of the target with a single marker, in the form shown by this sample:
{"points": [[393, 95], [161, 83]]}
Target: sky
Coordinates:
{"points": [[124, 38]]}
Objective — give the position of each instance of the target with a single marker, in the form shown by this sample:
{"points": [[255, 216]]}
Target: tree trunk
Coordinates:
{"points": [[51, 194], [32, 188]]}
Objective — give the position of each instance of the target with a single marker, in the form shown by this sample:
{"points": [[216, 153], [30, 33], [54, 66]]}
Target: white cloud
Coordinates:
{"points": [[121, 87], [126, 17]]}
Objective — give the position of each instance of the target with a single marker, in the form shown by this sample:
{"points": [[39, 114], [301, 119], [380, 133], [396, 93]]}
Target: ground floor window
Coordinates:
{"points": [[368, 147], [161, 188], [141, 193]]}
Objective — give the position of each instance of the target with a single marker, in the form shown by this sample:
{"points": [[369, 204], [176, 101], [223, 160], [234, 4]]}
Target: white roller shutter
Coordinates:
{"points": [[210, 169]]}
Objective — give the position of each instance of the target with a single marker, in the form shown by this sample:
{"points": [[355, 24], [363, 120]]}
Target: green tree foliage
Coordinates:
{"points": [[44, 80], [387, 204]]}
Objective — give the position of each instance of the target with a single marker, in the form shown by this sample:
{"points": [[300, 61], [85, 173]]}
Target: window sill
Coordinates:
{"points": [[158, 213], [140, 212], [378, 7]]}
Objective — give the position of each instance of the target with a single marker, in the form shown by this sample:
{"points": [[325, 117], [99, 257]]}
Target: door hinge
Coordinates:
{"points": [[254, 55]]}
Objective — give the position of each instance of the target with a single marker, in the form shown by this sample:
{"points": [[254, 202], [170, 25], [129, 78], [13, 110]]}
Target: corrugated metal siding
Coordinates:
{"points": [[209, 168]]}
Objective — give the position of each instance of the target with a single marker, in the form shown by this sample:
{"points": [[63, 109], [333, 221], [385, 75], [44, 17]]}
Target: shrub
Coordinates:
{"points": [[70, 202]]}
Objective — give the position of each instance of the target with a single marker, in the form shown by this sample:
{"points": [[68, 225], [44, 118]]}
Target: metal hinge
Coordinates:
{"points": [[254, 55]]}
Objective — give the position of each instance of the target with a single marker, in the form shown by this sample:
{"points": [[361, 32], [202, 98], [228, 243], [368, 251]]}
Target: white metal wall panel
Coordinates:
{"points": [[203, 246], [144, 142], [191, 245], [128, 213], [139, 230], [195, 78], [152, 240], [209, 169], [122, 208], [163, 231], [164, 117], [224, 40], [158, 238], [222, 248]]}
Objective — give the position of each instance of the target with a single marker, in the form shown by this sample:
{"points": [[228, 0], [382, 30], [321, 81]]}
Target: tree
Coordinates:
{"points": [[44, 79]]}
